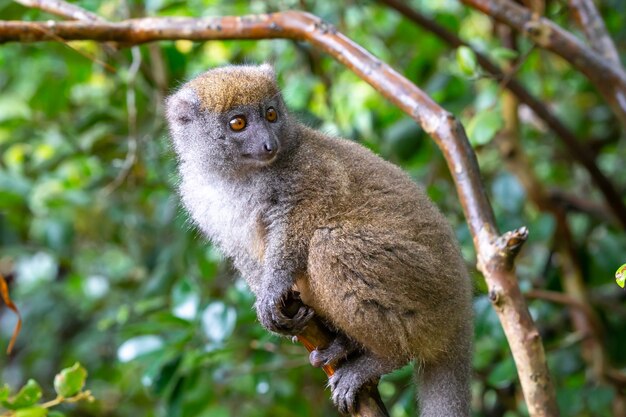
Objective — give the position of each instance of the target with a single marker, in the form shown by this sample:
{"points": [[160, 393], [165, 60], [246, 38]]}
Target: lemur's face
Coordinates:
{"points": [[228, 118]]}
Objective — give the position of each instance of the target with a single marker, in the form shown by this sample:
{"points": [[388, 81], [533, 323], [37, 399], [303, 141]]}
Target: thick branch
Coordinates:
{"points": [[495, 252], [579, 151], [609, 78], [592, 25]]}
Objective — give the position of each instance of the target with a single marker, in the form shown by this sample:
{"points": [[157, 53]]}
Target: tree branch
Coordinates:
{"points": [[606, 76], [495, 252], [583, 317], [574, 203], [592, 24], [316, 335], [62, 9], [578, 150]]}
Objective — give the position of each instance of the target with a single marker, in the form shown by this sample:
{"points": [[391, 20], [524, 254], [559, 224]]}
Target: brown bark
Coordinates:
{"points": [[592, 24], [495, 252], [606, 76]]}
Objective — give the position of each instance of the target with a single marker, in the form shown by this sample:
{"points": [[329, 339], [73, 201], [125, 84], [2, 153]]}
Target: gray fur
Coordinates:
{"points": [[364, 245]]}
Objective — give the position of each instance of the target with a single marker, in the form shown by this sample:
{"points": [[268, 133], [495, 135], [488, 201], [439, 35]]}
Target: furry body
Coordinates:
{"points": [[370, 253]]}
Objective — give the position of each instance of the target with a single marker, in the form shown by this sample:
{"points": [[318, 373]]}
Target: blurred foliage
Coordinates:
{"points": [[107, 271], [27, 402]]}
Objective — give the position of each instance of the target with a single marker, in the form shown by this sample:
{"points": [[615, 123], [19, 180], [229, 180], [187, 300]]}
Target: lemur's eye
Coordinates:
{"points": [[237, 123], [271, 115]]}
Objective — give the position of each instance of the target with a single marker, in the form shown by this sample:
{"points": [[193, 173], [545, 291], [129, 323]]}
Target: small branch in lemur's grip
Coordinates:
{"points": [[442, 126], [316, 335]]}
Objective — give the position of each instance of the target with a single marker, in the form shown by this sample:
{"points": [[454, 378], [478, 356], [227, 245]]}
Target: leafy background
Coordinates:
{"points": [[106, 269]]}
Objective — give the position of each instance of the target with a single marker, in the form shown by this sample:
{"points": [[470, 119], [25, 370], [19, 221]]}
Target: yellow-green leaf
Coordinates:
{"points": [[32, 412], [620, 276], [483, 127], [503, 54], [70, 381], [4, 392], [28, 395], [466, 59]]}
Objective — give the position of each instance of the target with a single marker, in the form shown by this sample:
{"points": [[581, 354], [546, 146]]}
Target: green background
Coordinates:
{"points": [[107, 270]]}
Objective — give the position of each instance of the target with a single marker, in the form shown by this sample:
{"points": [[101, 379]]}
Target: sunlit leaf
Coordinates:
{"points": [[503, 54], [466, 59], [27, 396], [15, 157], [70, 381], [218, 321], [483, 127], [4, 392], [185, 300], [37, 268], [138, 346], [32, 412], [620, 276], [13, 107]]}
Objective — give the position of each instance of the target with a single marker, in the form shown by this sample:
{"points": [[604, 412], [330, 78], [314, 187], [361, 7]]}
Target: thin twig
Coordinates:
{"points": [[131, 108], [512, 72]]}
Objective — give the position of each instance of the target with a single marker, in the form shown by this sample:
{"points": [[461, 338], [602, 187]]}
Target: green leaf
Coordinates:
{"points": [[139, 346], [503, 373], [466, 59], [4, 392], [620, 276], [483, 127], [32, 412], [503, 54], [70, 381], [28, 395], [56, 414], [403, 139], [218, 321]]}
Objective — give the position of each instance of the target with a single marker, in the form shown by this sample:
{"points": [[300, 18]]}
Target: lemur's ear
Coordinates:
{"points": [[268, 68]]}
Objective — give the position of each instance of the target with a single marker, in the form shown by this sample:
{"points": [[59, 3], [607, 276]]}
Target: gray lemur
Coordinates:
{"points": [[295, 208]]}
